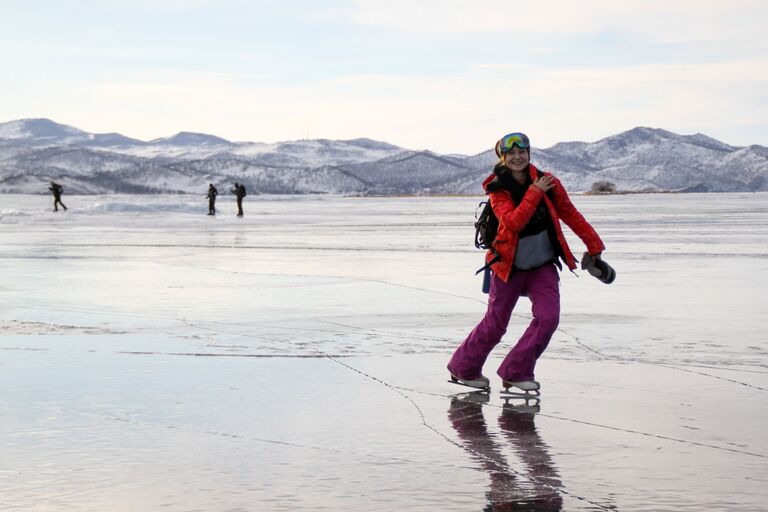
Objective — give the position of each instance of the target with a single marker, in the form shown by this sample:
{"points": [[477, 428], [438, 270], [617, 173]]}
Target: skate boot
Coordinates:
{"points": [[523, 389], [481, 382]]}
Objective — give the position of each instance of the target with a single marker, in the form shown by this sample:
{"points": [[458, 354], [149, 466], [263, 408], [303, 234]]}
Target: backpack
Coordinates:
{"points": [[242, 190], [486, 225]]}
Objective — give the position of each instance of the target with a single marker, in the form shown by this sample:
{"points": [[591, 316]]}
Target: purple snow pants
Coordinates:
{"points": [[541, 285]]}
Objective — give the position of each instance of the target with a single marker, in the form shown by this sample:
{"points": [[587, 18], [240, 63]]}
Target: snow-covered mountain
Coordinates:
{"points": [[36, 151]]}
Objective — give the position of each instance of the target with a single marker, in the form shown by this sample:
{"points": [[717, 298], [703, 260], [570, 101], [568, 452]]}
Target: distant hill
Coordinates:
{"points": [[192, 139], [36, 151]]}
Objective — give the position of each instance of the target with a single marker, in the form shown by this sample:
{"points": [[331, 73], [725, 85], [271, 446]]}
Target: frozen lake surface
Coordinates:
{"points": [[155, 358]]}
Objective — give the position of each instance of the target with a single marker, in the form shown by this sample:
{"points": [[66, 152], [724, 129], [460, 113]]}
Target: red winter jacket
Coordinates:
{"points": [[512, 220]]}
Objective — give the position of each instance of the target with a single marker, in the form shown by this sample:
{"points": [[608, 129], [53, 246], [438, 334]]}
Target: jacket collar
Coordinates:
{"points": [[499, 181]]}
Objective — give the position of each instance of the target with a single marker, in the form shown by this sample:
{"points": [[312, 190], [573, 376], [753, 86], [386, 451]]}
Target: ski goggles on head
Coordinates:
{"points": [[506, 143]]}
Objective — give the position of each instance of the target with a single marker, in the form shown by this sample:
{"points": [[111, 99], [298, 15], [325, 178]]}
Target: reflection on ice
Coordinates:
{"points": [[528, 480], [510, 488]]}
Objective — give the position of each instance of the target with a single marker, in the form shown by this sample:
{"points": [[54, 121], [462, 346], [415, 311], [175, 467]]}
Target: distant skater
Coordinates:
{"points": [[57, 191], [212, 193], [524, 260], [239, 191]]}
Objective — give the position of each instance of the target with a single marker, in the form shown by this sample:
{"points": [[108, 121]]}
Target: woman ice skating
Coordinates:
{"points": [[524, 259]]}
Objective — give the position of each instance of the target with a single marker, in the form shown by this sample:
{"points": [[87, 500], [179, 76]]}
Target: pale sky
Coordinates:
{"points": [[451, 76]]}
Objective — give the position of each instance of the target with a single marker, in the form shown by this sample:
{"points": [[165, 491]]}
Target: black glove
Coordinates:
{"points": [[598, 268]]}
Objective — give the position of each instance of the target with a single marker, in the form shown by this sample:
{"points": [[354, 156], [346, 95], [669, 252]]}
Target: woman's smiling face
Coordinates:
{"points": [[516, 159]]}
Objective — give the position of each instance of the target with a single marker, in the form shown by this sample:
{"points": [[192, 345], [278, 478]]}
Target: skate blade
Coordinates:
{"points": [[486, 389], [533, 393], [520, 396]]}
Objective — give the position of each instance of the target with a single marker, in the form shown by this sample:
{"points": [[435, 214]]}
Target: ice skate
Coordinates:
{"points": [[481, 382], [521, 389]]}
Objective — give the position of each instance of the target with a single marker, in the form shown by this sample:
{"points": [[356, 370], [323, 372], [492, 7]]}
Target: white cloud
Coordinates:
{"points": [[657, 21], [459, 114]]}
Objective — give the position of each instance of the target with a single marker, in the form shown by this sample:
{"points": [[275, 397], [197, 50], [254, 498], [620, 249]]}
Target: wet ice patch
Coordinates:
{"points": [[170, 206]]}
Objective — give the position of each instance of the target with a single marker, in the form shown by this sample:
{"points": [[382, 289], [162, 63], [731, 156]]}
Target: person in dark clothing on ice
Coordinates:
{"points": [[212, 193], [239, 191], [57, 191]]}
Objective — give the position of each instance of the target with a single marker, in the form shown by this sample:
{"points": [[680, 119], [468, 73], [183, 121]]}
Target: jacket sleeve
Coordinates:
{"points": [[514, 218], [575, 220]]}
